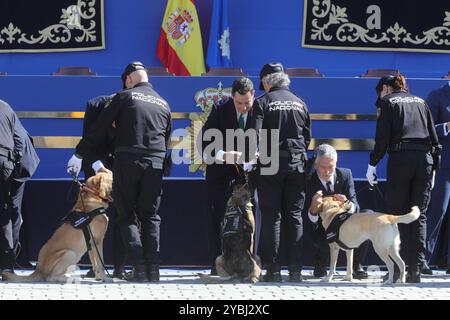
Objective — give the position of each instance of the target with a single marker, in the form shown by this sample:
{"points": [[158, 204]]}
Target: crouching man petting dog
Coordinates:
{"points": [[70, 242], [325, 181]]}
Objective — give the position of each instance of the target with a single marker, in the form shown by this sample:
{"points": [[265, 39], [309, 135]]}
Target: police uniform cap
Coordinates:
{"points": [[130, 68], [387, 80], [269, 68]]}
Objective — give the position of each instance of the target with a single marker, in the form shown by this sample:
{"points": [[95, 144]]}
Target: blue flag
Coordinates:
{"points": [[219, 37]]}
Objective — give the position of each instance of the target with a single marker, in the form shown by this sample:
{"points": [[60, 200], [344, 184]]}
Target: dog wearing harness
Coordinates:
{"points": [[83, 228], [238, 261], [346, 231], [332, 232]]}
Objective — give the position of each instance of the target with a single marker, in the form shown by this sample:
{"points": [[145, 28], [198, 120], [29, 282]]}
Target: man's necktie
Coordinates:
{"points": [[329, 191], [241, 122]]}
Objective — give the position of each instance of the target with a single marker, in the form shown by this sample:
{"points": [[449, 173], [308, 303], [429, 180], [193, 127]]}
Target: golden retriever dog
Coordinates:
{"points": [[237, 262], [377, 227], [67, 245]]}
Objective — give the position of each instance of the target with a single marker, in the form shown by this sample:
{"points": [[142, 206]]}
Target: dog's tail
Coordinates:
{"points": [[215, 279], [413, 215], [10, 276]]}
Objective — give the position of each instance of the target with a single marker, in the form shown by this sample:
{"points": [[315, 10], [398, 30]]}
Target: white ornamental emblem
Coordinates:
{"points": [[225, 43]]}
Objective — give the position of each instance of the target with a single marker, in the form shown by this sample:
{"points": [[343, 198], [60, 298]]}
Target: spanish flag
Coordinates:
{"points": [[180, 47]]}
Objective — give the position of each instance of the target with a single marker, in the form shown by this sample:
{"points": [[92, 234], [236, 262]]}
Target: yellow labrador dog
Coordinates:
{"points": [[67, 245], [377, 227], [237, 262]]}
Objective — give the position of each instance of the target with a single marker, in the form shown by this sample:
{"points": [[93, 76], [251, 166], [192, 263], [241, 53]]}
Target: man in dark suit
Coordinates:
{"points": [[23, 171], [221, 152], [329, 180], [439, 103]]}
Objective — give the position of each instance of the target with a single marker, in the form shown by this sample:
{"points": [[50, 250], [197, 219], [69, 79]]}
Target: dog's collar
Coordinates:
{"points": [[84, 187]]}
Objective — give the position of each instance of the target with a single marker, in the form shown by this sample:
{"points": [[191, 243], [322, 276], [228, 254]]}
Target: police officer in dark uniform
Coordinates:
{"points": [[405, 129], [23, 171], [143, 125], [9, 142], [438, 213], [281, 192], [104, 153]]}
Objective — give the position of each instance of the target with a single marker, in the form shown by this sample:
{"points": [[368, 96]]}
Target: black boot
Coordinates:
{"points": [[426, 269], [138, 274], [153, 272], [119, 273], [7, 260], [273, 274]]}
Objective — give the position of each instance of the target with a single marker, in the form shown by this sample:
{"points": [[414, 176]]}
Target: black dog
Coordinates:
{"points": [[238, 262]]}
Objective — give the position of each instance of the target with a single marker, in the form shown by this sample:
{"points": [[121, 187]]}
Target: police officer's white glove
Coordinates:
{"points": [[432, 179], [97, 166], [248, 166], [74, 166], [371, 175]]}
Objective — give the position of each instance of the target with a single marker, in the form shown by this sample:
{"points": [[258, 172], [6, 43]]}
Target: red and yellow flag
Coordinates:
{"points": [[180, 47]]}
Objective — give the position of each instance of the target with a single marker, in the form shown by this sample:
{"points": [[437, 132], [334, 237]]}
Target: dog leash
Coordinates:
{"points": [[83, 187]]}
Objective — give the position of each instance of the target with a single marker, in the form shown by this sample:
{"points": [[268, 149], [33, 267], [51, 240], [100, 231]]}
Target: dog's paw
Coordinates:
{"points": [[401, 280], [326, 279], [387, 282], [347, 278]]}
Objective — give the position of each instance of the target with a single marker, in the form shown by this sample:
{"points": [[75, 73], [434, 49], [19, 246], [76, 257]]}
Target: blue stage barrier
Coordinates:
{"points": [[351, 98]]}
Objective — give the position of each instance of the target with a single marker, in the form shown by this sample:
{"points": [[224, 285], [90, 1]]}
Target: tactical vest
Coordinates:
{"points": [[332, 232], [234, 222], [81, 220]]}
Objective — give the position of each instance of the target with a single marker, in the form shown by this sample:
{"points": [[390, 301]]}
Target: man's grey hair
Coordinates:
{"points": [[325, 150], [277, 79]]}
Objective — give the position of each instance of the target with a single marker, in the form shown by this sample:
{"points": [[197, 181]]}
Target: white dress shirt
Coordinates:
{"points": [[315, 217]]}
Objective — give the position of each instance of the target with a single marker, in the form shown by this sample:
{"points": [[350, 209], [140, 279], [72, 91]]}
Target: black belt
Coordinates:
{"points": [[410, 146]]}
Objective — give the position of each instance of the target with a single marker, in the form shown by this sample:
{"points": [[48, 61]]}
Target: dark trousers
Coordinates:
{"points": [[439, 208], [137, 193], [119, 248], [15, 207], [409, 184], [282, 196], [7, 257], [219, 191], [322, 253]]}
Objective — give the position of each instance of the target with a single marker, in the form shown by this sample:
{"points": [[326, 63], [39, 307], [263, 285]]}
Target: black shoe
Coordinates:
{"points": [[213, 271], [272, 277], [396, 277], [295, 276], [138, 274], [90, 274], [360, 274], [25, 265], [319, 272], [413, 277], [153, 272], [426, 269], [119, 273]]}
